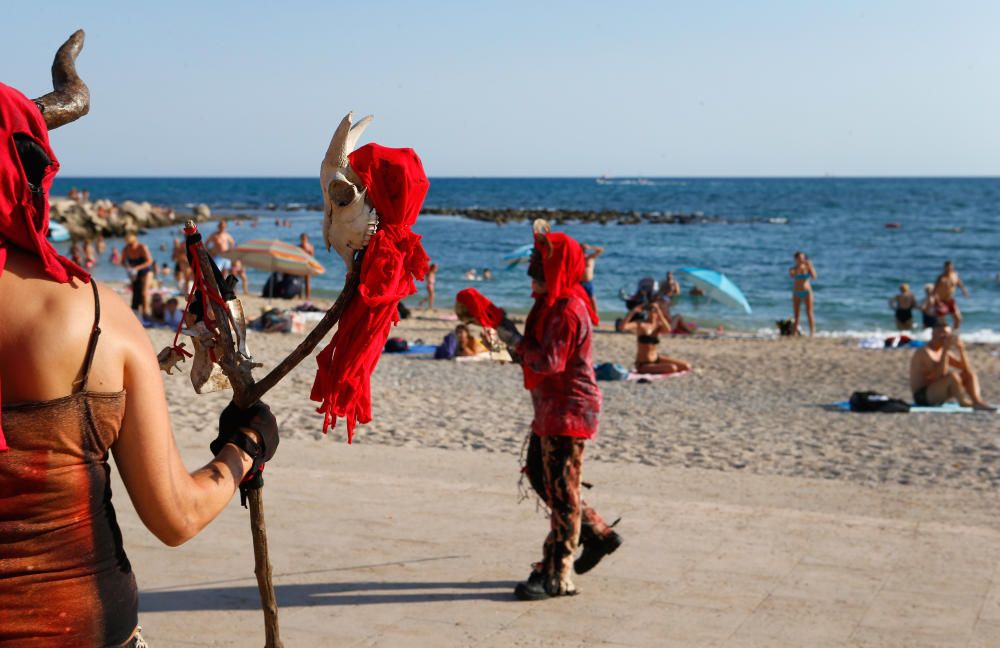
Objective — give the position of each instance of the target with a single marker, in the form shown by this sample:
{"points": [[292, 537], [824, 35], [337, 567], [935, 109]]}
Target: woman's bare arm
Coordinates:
{"points": [[173, 503]]}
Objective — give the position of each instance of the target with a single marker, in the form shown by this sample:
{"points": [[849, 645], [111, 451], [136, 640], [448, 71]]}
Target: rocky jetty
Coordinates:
{"points": [[604, 217], [85, 220]]}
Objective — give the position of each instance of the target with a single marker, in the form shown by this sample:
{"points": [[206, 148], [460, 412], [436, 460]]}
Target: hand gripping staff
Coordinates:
{"points": [[224, 337]]}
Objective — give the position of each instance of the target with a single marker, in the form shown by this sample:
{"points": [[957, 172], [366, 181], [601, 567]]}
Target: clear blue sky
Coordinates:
{"points": [[516, 88]]}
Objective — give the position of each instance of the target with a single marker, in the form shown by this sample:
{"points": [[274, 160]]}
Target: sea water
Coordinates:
{"points": [[840, 223]]}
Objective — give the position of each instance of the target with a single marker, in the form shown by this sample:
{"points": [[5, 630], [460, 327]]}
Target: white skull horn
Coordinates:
{"points": [[348, 221]]}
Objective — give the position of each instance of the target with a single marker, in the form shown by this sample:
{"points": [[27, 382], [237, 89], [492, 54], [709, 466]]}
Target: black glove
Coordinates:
{"points": [[257, 417], [507, 331]]}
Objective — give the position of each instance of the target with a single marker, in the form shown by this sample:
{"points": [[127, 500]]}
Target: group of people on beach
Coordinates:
{"points": [[938, 303], [149, 281]]}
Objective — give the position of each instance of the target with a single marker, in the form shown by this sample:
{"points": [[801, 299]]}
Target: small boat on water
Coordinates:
{"points": [[57, 232]]}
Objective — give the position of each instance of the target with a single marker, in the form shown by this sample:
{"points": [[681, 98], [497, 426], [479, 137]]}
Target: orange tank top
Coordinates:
{"points": [[64, 577]]}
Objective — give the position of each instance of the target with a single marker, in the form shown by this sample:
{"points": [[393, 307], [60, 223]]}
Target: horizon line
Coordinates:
{"points": [[557, 177]]}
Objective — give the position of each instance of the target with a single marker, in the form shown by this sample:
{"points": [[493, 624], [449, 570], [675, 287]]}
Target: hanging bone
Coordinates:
{"points": [[349, 220]]}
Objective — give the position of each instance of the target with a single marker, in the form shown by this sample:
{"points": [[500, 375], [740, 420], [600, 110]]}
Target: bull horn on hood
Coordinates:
{"points": [[70, 97], [345, 138]]}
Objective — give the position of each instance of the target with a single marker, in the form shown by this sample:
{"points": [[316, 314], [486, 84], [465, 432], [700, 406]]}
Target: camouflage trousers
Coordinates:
{"points": [[554, 466]]}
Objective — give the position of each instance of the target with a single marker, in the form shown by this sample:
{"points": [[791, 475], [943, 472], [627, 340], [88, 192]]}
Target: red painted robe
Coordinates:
{"points": [[556, 348]]}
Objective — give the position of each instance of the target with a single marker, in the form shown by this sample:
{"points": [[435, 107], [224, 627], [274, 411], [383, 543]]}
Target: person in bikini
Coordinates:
{"points": [[937, 375], [648, 322], [928, 307], [139, 265], [944, 293], [430, 280], [802, 293], [903, 305]]}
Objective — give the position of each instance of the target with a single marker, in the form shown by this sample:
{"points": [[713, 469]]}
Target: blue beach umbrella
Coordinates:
{"points": [[520, 255], [717, 286]]}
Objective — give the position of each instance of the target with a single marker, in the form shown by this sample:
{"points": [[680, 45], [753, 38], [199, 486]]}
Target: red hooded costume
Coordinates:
{"points": [[556, 348], [480, 308], [24, 206], [394, 257]]}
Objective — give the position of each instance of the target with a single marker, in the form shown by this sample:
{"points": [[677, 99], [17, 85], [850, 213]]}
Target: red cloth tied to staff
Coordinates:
{"points": [[394, 258], [563, 265], [27, 168], [480, 308]]}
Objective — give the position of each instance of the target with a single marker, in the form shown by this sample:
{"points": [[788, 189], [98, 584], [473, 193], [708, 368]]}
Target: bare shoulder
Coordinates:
{"points": [[123, 341]]}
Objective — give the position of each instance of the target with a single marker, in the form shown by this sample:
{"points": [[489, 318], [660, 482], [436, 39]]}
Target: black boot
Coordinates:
{"points": [[539, 588], [532, 589], [595, 549]]}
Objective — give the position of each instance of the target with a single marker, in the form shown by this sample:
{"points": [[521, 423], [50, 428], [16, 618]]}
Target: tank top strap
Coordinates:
{"points": [[94, 335]]}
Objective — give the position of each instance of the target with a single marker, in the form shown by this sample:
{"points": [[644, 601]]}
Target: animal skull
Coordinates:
{"points": [[349, 220]]}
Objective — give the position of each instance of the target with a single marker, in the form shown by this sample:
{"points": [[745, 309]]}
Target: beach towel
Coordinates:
{"points": [[635, 376], [945, 408], [420, 349]]}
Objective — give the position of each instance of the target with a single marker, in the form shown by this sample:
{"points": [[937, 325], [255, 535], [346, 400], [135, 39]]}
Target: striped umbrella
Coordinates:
{"points": [[275, 256]]}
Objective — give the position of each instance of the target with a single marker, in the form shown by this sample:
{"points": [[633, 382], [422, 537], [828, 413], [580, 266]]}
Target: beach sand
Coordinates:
{"points": [[753, 514]]}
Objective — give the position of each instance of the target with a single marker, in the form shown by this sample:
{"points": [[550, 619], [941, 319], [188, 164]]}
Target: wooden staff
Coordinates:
{"points": [[247, 392]]}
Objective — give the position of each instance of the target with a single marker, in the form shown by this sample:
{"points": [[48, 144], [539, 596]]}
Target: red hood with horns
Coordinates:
{"points": [[24, 211]]}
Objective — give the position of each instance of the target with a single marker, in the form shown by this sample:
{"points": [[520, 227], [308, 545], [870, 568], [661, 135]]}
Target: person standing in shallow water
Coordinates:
{"points": [[944, 293], [555, 357], [903, 305], [430, 280], [801, 273]]}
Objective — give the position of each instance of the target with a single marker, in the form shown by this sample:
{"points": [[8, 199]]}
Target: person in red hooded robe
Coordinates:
{"points": [[69, 398], [555, 356]]}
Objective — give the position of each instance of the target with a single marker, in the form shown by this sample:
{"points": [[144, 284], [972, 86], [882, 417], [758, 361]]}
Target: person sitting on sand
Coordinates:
{"points": [[903, 305], [648, 322], [81, 384], [937, 375], [172, 313], [156, 308], [678, 325]]}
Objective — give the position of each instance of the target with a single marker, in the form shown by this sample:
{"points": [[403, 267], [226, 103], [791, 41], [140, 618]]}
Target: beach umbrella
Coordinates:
{"points": [[275, 256], [717, 286], [521, 254]]}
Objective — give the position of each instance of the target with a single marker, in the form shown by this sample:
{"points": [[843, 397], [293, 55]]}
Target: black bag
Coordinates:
{"points": [[869, 401], [396, 345]]}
